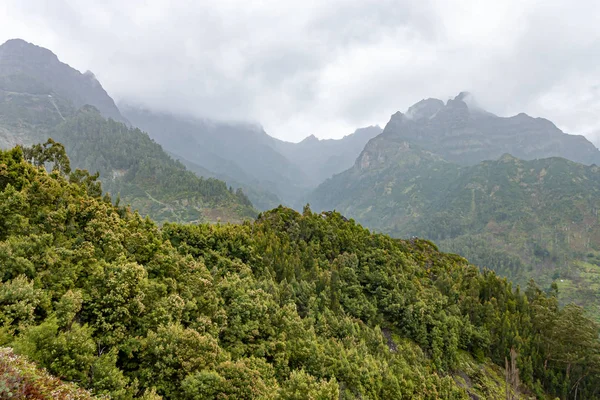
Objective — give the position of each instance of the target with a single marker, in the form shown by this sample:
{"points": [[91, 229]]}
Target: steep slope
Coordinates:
{"points": [[321, 159], [277, 171], [26, 68], [243, 153], [461, 132], [130, 163], [389, 185], [260, 198], [291, 306]]}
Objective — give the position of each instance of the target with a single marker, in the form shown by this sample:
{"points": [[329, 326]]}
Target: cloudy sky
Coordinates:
{"points": [[327, 67]]}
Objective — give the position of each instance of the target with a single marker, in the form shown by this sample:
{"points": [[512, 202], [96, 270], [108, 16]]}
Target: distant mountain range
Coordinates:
{"points": [[535, 216], [40, 95], [271, 171], [463, 133]]}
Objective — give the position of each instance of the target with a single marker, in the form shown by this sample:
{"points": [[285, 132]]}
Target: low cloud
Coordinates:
{"points": [[325, 68]]}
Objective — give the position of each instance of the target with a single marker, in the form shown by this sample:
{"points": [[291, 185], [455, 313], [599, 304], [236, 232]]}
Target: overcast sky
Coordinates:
{"points": [[327, 67]]}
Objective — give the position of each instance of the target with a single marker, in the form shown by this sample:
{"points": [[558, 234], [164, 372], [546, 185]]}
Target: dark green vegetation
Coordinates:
{"points": [[291, 306], [40, 97], [524, 219]]}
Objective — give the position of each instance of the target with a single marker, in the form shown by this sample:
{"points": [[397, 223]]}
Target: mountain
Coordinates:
{"points": [[463, 133], [239, 152], [321, 159], [292, 306], [260, 198], [26, 68], [40, 97], [271, 171], [523, 218]]}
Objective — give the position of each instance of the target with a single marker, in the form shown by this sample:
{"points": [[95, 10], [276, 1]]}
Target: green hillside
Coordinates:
{"points": [[292, 306], [135, 167], [523, 219]]}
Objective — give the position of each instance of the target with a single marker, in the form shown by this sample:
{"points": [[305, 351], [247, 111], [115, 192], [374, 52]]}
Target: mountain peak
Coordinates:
{"points": [[463, 96], [426, 108], [27, 68], [23, 49], [507, 157], [310, 139]]}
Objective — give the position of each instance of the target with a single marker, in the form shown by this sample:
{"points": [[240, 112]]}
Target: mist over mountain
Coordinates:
{"points": [[322, 158], [462, 132], [41, 97], [279, 172], [159, 278]]}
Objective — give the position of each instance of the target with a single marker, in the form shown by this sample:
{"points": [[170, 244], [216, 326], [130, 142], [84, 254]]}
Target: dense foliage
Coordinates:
{"points": [[292, 306], [524, 219]]}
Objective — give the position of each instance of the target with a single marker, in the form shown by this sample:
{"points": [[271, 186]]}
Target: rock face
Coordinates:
{"points": [[462, 133], [27, 68]]}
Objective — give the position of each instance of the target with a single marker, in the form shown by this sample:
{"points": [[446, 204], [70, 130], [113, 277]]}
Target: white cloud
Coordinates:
{"points": [[327, 67]]}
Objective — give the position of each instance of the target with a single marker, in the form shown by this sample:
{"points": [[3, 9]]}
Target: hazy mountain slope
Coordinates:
{"points": [[461, 132], [388, 187], [129, 161], [321, 159], [26, 68], [244, 153], [27, 118], [136, 168], [260, 198]]}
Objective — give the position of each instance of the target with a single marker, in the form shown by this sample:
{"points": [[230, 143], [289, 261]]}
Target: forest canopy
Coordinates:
{"points": [[290, 306]]}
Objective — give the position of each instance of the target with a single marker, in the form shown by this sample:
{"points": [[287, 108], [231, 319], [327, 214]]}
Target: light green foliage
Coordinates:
{"points": [[19, 299], [302, 386], [289, 306]]}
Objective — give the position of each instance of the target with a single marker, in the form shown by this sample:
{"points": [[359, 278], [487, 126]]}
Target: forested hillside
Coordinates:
{"points": [[291, 306], [143, 175]]}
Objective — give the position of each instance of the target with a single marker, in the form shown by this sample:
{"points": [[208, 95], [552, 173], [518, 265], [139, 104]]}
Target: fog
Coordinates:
{"points": [[326, 68]]}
